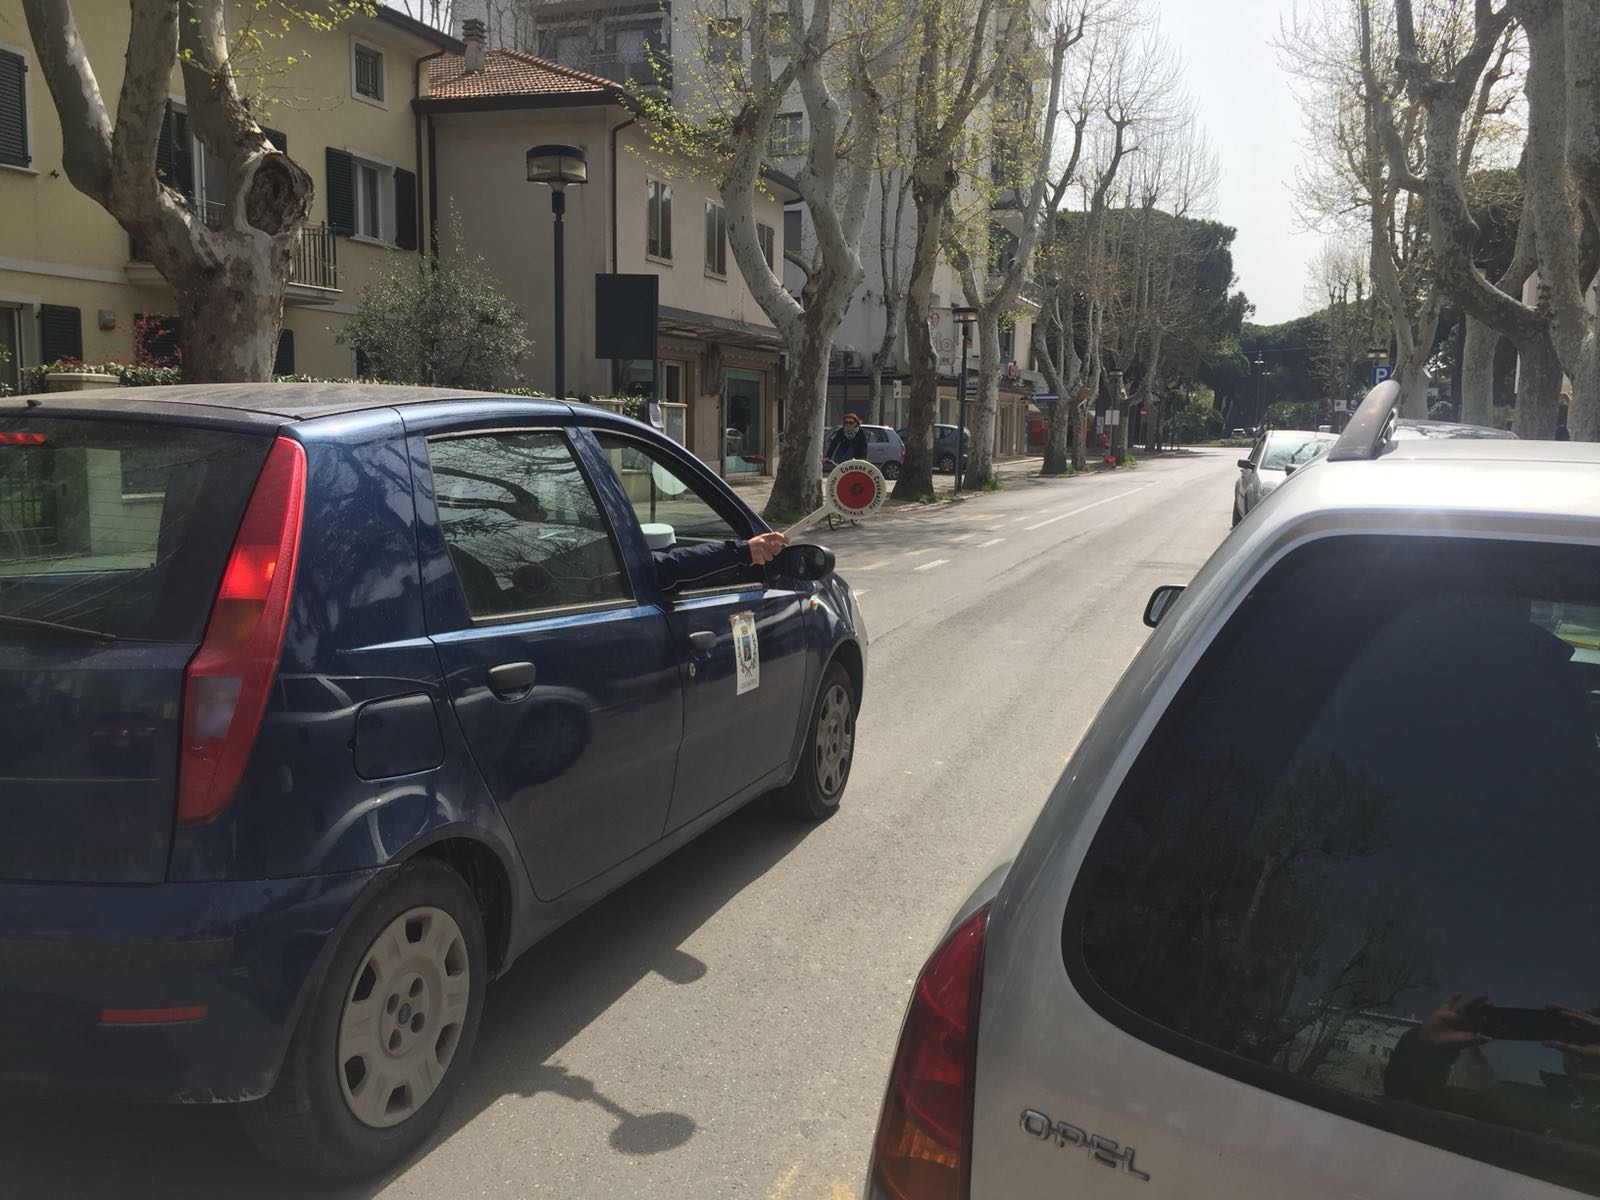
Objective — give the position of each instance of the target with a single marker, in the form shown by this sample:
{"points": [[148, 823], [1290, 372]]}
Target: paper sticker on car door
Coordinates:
{"points": [[746, 652]]}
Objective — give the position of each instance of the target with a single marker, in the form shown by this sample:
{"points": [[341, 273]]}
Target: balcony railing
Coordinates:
{"points": [[652, 71]]}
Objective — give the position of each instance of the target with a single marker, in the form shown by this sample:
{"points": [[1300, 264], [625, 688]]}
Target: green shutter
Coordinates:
{"points": [[279, 142], [341, 171], [60, 333], [405, 210], [283, 361], [14, 110]]}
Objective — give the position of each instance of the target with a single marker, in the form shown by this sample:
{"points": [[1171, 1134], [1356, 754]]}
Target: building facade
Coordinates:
{"points": [[640, 213], [338, 101]]}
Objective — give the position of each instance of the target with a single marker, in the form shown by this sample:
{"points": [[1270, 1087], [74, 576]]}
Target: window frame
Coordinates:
{"points": [[725, 41], [675, 459], [524, 616], [658, 219], [793, 142], [359, 164], [28, 144], [1196, 659], [767, 239], [717, 213], [359, 46]]}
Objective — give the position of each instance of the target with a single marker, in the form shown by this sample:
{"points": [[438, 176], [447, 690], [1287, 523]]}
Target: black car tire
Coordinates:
{"points": [[828, 752], [306, 1123], [891, 470], [947, 464]]}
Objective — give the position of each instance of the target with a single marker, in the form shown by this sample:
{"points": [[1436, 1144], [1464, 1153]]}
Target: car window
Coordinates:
{"points": [[1373, 801], [875, 435], [522, 526], [1293, 449], [662, 493], [122, 527]]}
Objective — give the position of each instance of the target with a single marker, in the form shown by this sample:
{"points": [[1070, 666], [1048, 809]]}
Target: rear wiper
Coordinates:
{"points": [[57, 627]]}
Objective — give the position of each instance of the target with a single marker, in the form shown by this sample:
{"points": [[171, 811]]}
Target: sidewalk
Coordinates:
{"points": [[756, 492]]}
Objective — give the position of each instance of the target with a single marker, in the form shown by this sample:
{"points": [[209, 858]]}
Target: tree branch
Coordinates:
{"points": [[85, 124]]}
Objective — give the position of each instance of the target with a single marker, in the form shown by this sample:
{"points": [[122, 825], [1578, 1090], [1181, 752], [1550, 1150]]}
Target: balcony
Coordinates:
{"points": [[632, 70], [313, 262]]}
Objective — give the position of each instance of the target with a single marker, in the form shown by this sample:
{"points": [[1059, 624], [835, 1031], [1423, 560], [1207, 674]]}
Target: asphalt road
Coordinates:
{"points": [[722, 1027]]}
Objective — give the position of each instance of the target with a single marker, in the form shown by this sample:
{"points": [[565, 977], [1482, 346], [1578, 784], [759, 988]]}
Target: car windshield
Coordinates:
{"points": [[1286, 450]]}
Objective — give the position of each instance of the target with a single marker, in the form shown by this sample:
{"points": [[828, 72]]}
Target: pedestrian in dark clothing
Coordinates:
{"points": [[677, 565], [1561, 433], [846, 442]]}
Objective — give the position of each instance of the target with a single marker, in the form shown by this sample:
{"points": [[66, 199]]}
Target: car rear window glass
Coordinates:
{"points": [[118, 526], [1374, 801], [522, 526]]}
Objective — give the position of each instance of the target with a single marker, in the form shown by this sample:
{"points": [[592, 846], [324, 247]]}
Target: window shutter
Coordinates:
{"points": [[14, 110], [405, 210], [283, 361], [60, 333], [341, 191], [182, 155], [279, 142], [164, 148]]}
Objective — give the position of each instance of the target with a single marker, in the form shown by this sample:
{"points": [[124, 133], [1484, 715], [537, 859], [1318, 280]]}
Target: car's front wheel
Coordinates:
{"points": [[383, 1042], [829, 750]]}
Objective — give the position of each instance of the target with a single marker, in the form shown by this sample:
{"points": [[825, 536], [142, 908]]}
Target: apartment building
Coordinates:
{"points": [[72, 282], [640, 212]]}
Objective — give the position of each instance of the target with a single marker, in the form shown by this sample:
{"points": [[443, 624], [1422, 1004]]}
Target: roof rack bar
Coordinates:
{"points": [[1369, 429]]}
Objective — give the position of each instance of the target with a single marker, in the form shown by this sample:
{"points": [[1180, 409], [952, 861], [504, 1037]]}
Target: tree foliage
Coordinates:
{"points": [[442, 324]]}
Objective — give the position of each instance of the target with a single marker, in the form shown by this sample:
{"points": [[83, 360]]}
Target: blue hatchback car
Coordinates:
{"points": [[321, 704]]}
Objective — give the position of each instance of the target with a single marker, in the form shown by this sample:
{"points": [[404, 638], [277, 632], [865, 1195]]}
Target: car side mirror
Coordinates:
{"points": [[805, 561], [1244, 464], [1160, 601]]}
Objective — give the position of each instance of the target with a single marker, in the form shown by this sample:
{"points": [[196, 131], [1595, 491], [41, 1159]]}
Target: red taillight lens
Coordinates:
{"points": [[21, 439], [225, 688], [923, 1148]]}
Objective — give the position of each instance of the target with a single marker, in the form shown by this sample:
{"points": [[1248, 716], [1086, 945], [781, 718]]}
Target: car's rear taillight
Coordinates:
{"points": [[924, 1143], [226, 685]]}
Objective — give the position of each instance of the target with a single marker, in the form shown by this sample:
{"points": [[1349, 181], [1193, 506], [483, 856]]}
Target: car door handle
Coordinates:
{"points": [[511, 681], [702, 641]]}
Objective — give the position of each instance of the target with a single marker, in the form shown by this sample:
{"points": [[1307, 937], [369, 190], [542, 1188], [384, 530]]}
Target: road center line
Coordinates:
{"points": [[961, 537], [914, 553], [1072, 512], [990, 542], [928, 566]]}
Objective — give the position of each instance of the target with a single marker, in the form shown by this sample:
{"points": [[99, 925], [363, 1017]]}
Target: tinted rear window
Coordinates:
{"points": [[118, 527], [1374, 801]]}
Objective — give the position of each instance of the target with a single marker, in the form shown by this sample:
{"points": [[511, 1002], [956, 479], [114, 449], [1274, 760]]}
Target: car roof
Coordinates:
{"points": [[255, 402]]}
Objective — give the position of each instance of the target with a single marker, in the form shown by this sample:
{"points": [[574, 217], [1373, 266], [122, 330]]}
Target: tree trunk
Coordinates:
{"points": [[1539, 379], [1477, 373], [980, 461], [1414, 394], [797, 487], [229, 316], [916, 473]]}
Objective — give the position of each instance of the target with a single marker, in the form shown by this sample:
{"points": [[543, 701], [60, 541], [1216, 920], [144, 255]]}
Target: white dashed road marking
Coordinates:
{"points": [[928, 566], [990, 542], [1072, 512]]}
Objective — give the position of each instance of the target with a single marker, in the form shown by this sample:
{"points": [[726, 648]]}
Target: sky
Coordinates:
{"points": [[1253, 123]]}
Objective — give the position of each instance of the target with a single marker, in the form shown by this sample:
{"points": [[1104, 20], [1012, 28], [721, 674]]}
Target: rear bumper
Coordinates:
{"points": [[243, 950]]}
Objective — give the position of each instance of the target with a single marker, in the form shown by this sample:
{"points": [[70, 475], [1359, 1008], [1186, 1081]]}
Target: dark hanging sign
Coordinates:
{"points": [[625, 316]]}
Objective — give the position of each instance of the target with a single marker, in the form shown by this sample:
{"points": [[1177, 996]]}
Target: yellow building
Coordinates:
{"points": [[72, 283]]}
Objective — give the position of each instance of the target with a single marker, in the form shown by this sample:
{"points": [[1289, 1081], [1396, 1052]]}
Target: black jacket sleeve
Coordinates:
{"points": [[685, 564], [1417, 1071]]}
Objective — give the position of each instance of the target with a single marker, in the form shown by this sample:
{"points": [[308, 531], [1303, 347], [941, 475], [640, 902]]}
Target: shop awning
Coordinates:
{"points": [[682, 323]]}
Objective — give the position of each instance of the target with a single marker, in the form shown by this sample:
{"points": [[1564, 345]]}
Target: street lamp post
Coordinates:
{"points": [[964, 317], [558, 166], [1260, 365]]}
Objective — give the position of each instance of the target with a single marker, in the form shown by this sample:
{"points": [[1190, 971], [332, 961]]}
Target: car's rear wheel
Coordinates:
{"points": [[891, 470], [819, 781], [382, 1044], [947, 463]]}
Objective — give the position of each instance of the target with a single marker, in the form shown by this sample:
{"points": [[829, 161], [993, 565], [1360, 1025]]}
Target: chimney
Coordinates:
{"points": [[472, 33]]}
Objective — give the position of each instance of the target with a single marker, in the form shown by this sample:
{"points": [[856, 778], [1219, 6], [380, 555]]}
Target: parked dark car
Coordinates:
{"points": [[944, 447], [325, 703]]}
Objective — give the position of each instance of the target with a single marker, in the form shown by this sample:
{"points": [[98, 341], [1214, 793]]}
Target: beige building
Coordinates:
{"points": [[639, 213], [73, 285]]}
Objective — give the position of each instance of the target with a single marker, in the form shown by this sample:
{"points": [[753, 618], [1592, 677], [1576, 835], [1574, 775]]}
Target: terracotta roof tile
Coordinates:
{"points": [[511, 73]]}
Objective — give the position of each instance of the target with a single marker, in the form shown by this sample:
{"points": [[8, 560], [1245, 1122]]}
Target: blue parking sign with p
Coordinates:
{"points": [[1380, 372]]}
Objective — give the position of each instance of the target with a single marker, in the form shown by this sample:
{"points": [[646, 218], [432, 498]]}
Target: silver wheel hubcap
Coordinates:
{"points": [[835, 739], [402, 1017]]}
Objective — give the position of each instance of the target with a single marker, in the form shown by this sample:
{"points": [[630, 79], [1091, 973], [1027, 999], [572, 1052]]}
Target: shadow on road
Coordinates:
{"points": [[552, 994]]}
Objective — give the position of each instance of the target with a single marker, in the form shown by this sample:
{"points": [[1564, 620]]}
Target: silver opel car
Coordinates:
{"points": [[1334, 937]]}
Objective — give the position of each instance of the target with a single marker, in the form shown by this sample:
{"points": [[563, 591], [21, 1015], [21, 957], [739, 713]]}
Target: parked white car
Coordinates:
{"points": [[1312, 910]]}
